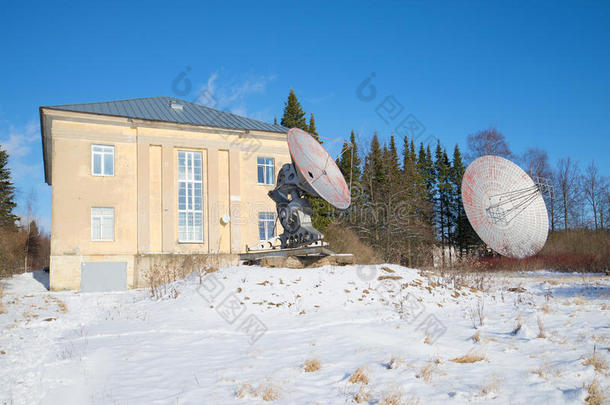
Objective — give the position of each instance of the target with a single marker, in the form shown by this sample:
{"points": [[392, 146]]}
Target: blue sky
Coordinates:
{"points": [[539, 72]]}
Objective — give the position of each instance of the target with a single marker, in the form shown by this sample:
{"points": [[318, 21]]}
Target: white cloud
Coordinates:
{"points": [[231, 95], [19, 141]]}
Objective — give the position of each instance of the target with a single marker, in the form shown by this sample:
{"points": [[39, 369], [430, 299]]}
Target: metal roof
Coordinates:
{"points": [[160, 109]]}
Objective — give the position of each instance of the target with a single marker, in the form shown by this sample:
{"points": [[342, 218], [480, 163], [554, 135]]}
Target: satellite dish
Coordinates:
{"points": [[312, 171], [505, 207], [317, 169]]}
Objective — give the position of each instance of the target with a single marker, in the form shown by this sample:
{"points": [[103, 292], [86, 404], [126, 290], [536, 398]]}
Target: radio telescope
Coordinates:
{"points": [[505, 206], [312, 171]]}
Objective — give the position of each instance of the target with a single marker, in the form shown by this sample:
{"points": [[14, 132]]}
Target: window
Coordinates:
{"points": [[266, 225], [190, 197], [265, 170], [102, 224], [102, 160]]}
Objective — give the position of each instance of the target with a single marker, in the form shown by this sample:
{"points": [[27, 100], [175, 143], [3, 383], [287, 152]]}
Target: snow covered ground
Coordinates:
{"points": [[243, 335]]}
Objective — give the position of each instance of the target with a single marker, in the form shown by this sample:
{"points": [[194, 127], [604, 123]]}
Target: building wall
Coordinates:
{"points": [[143, 190]]}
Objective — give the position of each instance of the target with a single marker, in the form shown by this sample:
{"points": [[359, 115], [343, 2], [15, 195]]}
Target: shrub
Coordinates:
{"points": [[342, 239], [311, 365]]}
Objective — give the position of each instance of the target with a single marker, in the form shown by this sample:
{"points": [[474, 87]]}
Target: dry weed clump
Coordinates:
{"points": [[61, 306], [492, 385], [311, 365], [470, 357], [394, 363], [392, 399], [243, 390], [426, 372], [396, 398], [359, 377], [596, 361], [363, 395], [269, 393], [265, 392], [541, 331], [342, 239], [168, 268], [595, 394], [476, 337]]}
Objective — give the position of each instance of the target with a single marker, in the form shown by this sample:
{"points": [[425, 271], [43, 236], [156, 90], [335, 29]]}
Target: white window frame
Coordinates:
{"points": [[265, 165], [189, 178], [101, 215], [267, 223], [106, 150]]}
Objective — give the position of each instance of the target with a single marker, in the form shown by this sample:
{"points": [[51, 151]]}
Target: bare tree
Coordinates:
{"points": [[536, 162], [489, 141], [594, 186], [28, 227], [604, 209], [568, 187]]}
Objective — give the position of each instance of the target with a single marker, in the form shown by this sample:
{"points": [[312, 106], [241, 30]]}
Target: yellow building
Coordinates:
{"points": [[151, 177]]}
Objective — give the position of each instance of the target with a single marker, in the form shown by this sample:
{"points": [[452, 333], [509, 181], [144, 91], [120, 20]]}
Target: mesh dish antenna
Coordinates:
{"points": [[505, 207], [312, 171]]}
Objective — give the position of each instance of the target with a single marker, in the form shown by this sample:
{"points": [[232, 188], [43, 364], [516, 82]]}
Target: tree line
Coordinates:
{"points": [[406, 196], [23, 246]]}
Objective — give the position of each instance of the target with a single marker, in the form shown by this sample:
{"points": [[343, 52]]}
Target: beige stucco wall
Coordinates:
{"points": [[143, 190]]}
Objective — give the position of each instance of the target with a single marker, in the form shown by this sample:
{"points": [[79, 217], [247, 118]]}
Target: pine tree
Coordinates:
{"points": [[312, 128], [443, 193], [392, 163], [294, 116], [465, 236], [373, 175], [7, 194], [274, 120], [349, 161]]}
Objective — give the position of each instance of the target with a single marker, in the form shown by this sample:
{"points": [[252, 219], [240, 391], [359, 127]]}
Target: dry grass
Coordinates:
{"points": [[546, 370], [470, 357], [391, 399], [380, 278], [546, 309], [597, 362], [270, 393], [363, 395], [541, 331], [243, 390], [311, 365], [394, 363], [492, 385], [595, 394], [396, 398], [166, 269], [61, 306], [426, 372], [359, 377], [572, 250], [476, 337], [579, 300], [265, 392], [342, 239]]}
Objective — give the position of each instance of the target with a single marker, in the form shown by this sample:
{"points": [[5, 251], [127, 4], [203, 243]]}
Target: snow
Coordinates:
{"points": [[192, 346]]}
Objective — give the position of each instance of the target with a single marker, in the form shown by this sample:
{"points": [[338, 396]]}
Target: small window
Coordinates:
{"points": [[102, 224], [265, 170], [102, 160], [266, 225]]}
